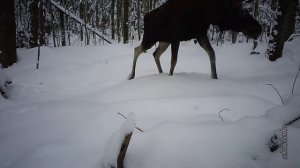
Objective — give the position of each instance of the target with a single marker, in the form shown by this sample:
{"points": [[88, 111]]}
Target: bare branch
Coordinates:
{"points": [[222, 111], [277, 92], [126, 118]]}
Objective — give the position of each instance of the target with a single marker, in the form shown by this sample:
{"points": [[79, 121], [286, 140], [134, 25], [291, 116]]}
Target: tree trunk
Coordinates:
{"points": [[8, 55], [34, 24], [282, 30], [234, 36], [119, 19], [139, 19], [255, 13], [62, 28], [52, 26], [113, 19], [125, 22]]}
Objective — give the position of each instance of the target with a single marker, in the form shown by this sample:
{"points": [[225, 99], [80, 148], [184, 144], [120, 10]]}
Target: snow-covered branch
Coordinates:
{"points": [[80, 21]]}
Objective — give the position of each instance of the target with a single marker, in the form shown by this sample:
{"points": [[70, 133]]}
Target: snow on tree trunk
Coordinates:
{"points": [[284, 23], [115, 150]]}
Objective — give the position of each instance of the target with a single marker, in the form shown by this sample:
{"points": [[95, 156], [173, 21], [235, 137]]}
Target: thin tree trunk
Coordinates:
{"points": [[139, 19], [125, 22], [53, 27], [119, 19], [33, 39], [113, 19], [255, 13], [62, 28]]}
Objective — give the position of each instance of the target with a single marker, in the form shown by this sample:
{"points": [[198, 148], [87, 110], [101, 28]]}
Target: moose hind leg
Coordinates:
{"points": [[174, 50], [137, 52], [162, 46], [205, 44]]}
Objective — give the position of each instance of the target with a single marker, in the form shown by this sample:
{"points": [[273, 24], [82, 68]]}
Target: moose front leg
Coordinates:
{"points": [[174, 50], [205, 44], [137, 52]]}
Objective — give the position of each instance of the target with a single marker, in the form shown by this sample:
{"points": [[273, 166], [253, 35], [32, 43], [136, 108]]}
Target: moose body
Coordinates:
{"points": [[178, 20]]}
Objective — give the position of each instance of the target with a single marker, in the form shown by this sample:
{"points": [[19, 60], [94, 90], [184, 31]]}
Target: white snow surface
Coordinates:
{"points": [[64, 114]]}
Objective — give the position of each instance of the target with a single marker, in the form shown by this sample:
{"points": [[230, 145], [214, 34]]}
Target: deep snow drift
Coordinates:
{"points": [[63, 114]]}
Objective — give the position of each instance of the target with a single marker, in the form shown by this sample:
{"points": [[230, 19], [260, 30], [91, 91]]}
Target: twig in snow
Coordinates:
{"points": [[222, 111], [295, 80], [126, 118], [292, 121], [276, 91]]}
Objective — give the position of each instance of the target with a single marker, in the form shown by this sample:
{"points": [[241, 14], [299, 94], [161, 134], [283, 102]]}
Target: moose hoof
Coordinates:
{"points": [[130, 76]]}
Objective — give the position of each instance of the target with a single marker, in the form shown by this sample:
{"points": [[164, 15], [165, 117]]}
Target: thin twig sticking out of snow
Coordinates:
{"points": [[222, 111], [292, 121], [295, 80], [126, 118], [277, 92]]}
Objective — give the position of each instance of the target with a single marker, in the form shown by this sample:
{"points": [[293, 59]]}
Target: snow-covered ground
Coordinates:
{"points": [[63, 115]]}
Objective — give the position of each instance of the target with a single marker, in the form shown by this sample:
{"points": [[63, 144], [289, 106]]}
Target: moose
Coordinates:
{"points": [[177, 20]]}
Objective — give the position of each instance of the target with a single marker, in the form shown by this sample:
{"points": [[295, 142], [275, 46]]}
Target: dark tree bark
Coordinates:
{"points": [[119, 19], [284, 28], [53, 26], [8, 55], [34, 23], [125, 22], [255, 14], [113, 19], [234, 36], [62, 28], [139, 19]]}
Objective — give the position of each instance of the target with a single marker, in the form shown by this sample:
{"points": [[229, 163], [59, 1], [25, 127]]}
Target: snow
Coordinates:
{"points": [[65, 114]]}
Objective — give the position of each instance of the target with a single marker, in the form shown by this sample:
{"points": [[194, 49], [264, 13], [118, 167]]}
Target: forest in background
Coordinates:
{"points": [[120, 20], [85, 22]]}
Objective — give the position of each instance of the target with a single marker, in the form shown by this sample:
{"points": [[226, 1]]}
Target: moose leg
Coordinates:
{"points": [[174, 50], [162, 46], [137, 52], [205, 44]]}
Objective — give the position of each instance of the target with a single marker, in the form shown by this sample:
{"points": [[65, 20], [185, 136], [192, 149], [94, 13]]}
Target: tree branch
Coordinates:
{"points": [[78, 20]]}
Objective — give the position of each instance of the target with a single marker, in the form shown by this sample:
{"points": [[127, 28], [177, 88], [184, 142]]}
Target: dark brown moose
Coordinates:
{"points": [[178, 20]]}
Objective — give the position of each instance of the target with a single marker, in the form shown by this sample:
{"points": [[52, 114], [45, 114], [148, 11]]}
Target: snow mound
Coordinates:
{"points": [[114, 144]]}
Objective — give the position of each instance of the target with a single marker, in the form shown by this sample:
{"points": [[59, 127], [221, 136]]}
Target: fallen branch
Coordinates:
{"points": [[123, 150], [117, 145], [78, 20], [126, 118]]}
